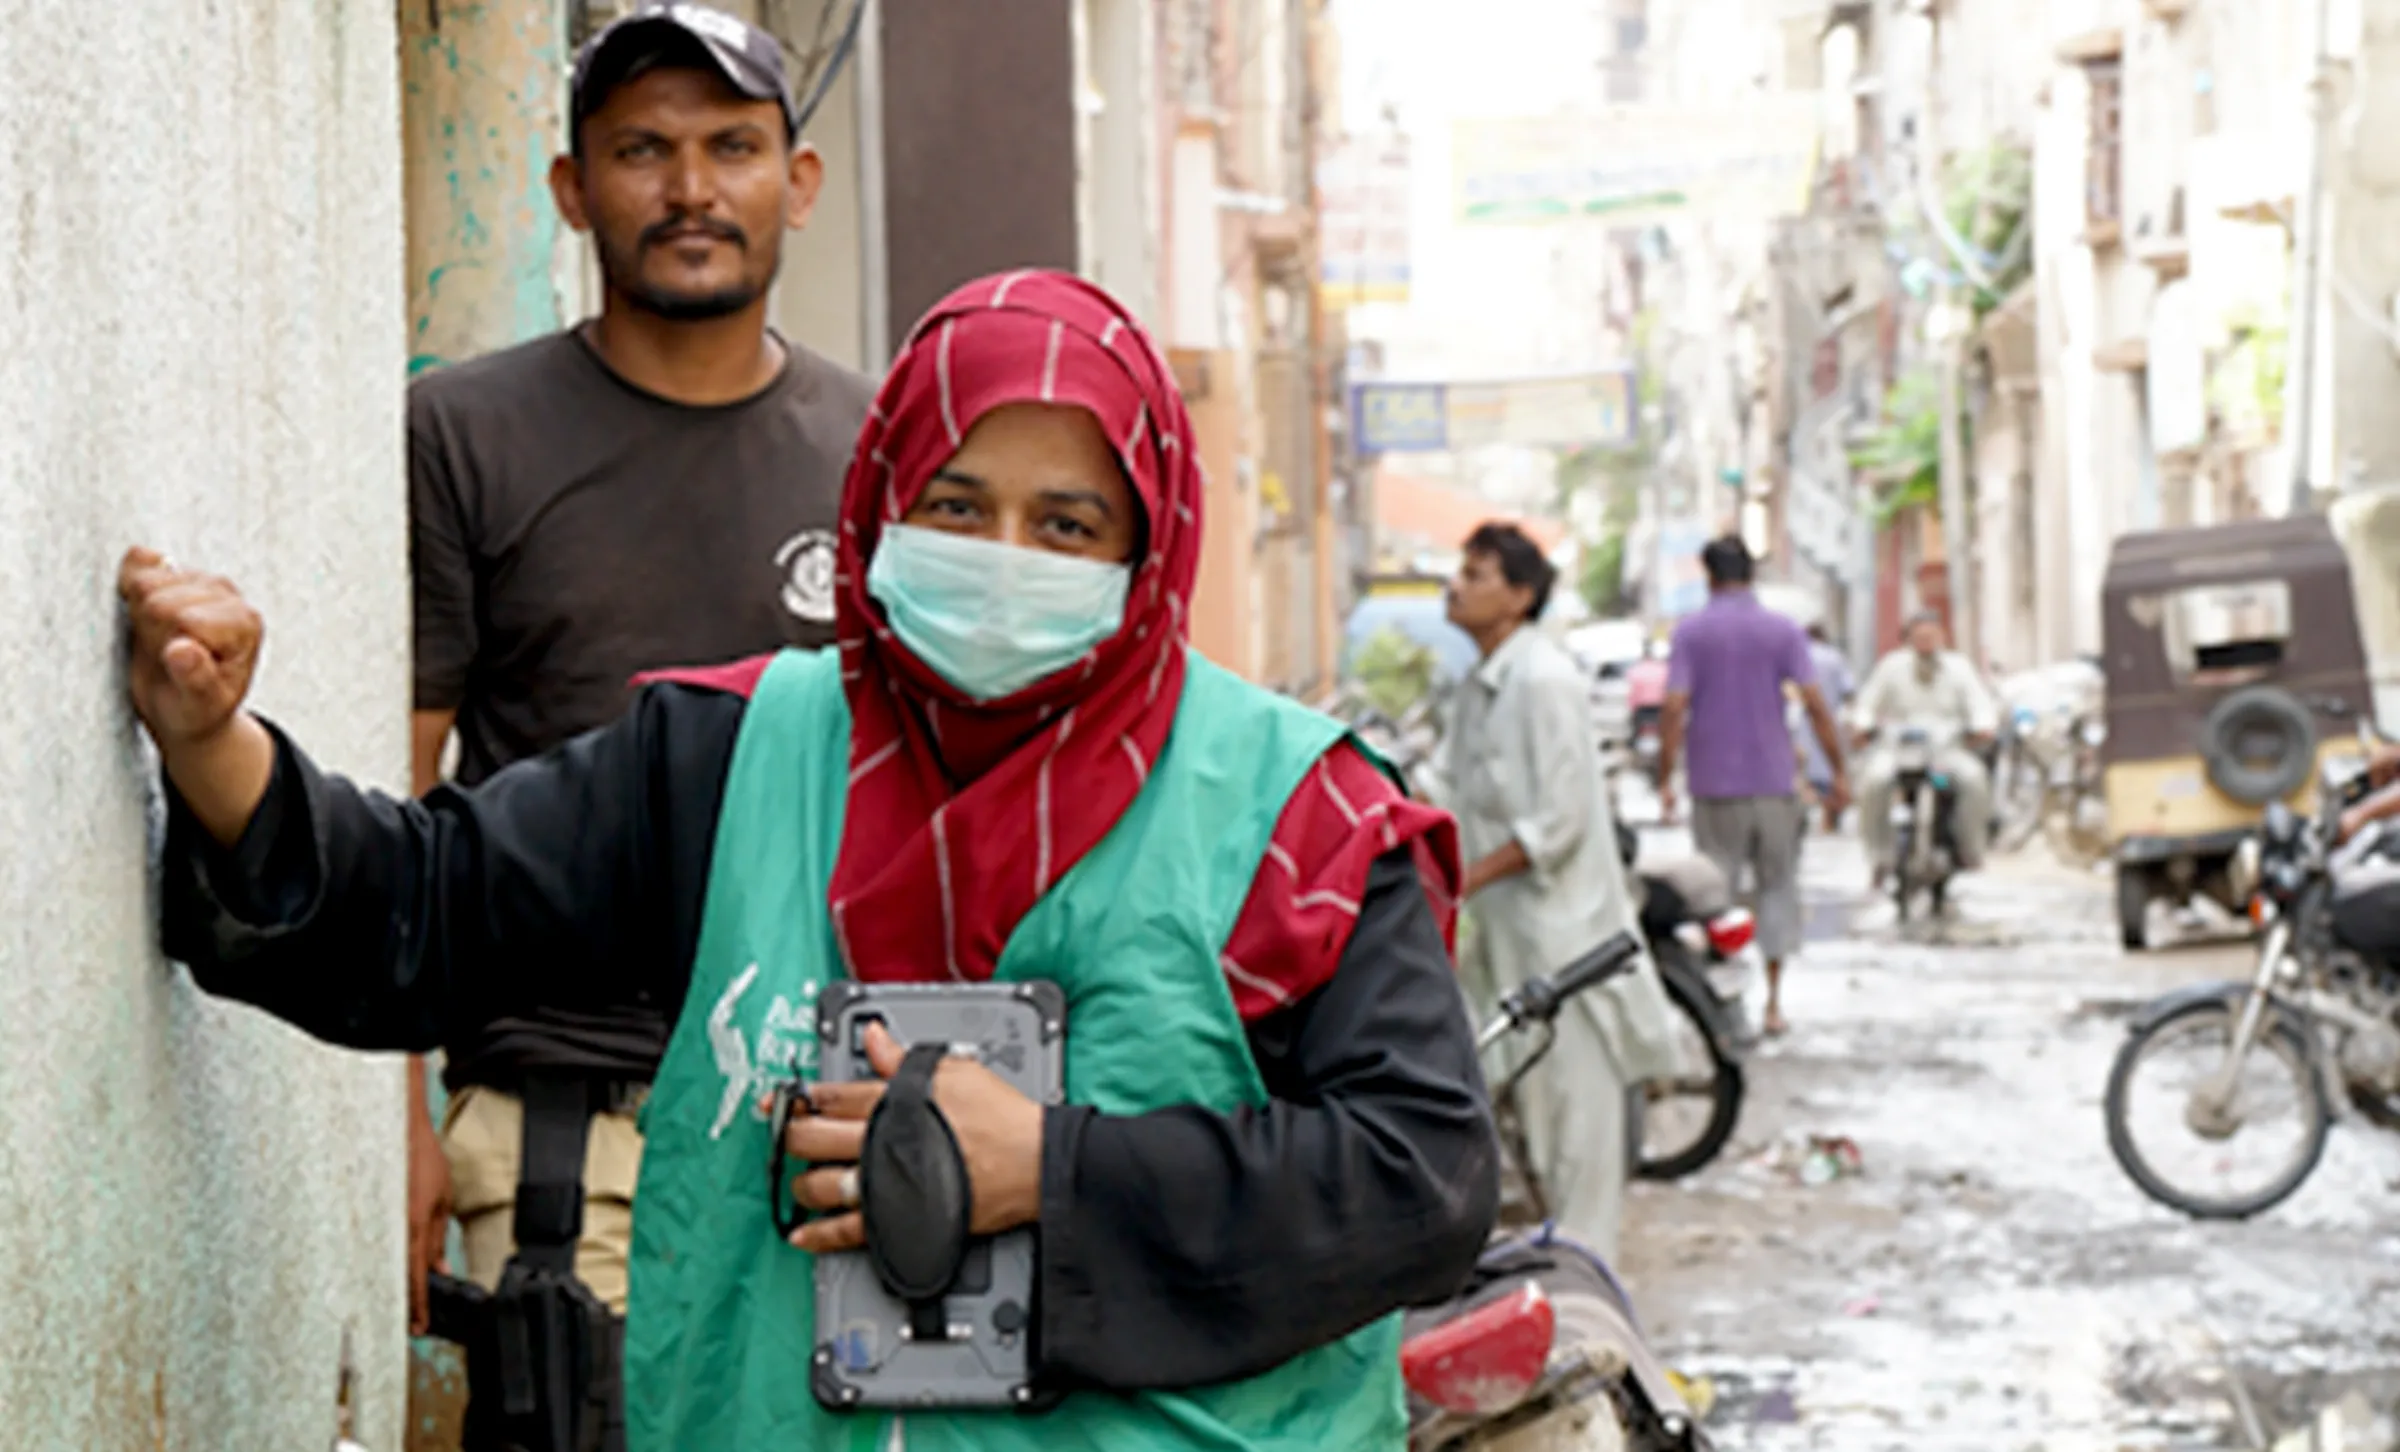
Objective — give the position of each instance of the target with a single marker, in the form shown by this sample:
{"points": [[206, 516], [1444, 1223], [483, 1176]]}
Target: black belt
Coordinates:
{"points": [[613, 1095], [544, 1355]]}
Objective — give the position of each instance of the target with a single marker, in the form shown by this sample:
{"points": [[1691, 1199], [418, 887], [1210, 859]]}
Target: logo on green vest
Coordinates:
{"points": [[783, 1048]]}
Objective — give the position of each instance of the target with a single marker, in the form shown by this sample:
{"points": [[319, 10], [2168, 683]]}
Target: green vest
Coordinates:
{"points": [[721, 1320]]}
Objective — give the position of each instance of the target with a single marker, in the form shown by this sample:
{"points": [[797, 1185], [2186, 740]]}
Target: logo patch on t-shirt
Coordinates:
{"points": [[806, 560]]}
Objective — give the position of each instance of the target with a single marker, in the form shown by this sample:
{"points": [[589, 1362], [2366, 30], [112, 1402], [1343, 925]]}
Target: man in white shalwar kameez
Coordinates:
{"points": [[1545, 883]]}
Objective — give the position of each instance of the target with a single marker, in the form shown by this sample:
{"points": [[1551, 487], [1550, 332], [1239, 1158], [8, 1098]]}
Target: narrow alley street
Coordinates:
{"points": [[1991, 1280]]}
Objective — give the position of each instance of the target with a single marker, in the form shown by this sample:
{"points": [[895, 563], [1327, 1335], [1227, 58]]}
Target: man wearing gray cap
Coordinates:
{"points": [[655, 486]]}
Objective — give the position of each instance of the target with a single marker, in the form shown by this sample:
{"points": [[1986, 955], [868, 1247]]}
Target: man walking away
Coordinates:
{"points": [[1834, 683], [1544, 881], [1726, 674], [657, 486], [1926, 684]]}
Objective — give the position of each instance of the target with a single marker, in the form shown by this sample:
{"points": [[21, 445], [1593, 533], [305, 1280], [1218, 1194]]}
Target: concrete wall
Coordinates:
{"points": [[2072, 542], [201, 345], [2363, 249], [1119, 113], [821, 294]]}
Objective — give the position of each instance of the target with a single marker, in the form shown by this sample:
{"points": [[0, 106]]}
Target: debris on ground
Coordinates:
{"points": [[1698, 1392], [1830, 1158], [2349, 1425], [1996, 1284]]}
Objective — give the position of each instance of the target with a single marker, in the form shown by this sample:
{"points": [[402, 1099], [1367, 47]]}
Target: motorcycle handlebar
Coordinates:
{"points": [[1540, 999]]}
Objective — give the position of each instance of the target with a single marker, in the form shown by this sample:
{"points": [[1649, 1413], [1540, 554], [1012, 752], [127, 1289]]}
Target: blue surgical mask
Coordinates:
{"points": [[993, 618]]}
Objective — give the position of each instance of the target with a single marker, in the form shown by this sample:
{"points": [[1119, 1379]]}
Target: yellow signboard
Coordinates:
{"points": [[1638, 165], [1571, 411]]}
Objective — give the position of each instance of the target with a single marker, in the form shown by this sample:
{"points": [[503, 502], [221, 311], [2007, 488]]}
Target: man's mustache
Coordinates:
{"points": [[659, 234]]}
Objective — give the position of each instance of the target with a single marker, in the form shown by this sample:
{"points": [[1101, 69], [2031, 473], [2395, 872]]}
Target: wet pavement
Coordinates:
{"points": [[1991, 1280]]}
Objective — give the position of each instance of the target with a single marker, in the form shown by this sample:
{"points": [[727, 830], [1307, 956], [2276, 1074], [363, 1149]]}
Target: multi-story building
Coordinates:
{"points": [[2142, 370]]}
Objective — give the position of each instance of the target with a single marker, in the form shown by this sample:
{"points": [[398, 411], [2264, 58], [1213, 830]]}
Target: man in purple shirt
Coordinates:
{"points": [[1725, 678]]}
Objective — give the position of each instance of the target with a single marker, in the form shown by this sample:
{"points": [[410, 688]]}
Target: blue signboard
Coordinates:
{"points": [[1388, 418]]}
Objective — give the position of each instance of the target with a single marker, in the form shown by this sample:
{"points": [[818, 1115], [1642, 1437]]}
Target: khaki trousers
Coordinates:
{"points": [[483, 1134]]}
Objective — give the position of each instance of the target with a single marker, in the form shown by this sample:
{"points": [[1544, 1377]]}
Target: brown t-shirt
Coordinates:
{"points": [[570, 531]]}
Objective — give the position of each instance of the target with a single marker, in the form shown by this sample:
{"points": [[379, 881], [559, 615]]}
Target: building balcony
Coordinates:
{"points": [[2170, 257], [2126, 355]]}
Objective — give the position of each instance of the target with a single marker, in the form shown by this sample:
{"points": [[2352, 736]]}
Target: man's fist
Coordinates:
{"points": [[195, 644]]}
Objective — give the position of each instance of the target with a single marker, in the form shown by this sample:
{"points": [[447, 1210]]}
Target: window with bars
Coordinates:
{"points": [[2104, 150]]}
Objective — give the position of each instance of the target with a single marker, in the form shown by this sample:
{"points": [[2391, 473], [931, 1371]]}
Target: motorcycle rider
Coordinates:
{"points": [[1925, 684]]}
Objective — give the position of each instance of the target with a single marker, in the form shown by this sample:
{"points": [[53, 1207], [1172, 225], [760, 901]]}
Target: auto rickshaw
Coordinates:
{"points": [[2234, 665]]}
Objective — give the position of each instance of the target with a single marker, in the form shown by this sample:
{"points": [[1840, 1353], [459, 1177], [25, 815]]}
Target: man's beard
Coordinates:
{"points": [[621, 269], [688, 307]]}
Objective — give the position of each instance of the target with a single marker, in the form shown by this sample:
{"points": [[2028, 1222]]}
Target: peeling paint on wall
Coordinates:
{"points": [[483, 98], [484, 88]]}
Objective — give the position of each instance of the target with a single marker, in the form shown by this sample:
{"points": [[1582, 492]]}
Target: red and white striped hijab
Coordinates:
{"points": [[932, 877]]}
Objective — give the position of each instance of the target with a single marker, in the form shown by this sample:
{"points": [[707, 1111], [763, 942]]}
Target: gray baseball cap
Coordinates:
{"points": [[750, 60]]}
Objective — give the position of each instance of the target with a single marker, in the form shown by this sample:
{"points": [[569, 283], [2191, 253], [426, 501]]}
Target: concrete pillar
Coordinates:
{"points": [[2363, 180], [483, 88], [483, 95], [1224, 603]]}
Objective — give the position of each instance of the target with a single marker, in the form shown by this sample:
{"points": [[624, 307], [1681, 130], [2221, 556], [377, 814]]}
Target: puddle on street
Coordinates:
{"points": [[1989, 1280]]}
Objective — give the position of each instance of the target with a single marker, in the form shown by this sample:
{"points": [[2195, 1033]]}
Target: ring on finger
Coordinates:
{"points": [[846, 1188]]}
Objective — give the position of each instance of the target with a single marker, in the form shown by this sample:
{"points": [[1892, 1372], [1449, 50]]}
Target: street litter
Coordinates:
{"points": [[1698, 1392], [1777, 1408], [1830, 1159], [2349, 1425]]}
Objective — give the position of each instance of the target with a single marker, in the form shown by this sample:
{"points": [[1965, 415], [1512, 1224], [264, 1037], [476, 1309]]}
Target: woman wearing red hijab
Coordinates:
{"points": [[1012, 767]]}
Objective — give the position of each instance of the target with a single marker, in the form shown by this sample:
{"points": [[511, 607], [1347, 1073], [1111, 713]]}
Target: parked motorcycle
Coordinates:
{"points": [[2257, 1071], [1543, 1333], [1701, 941], [1924, 824]]}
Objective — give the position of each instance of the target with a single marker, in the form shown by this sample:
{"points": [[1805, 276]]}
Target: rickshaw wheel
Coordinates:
{"points": [[2134, 891]]}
